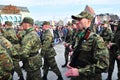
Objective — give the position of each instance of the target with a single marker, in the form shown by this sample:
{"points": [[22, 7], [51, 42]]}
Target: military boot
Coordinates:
{"points": [[21, 78], [108, 78], [60, 78], [44, 77], [64, 64]]}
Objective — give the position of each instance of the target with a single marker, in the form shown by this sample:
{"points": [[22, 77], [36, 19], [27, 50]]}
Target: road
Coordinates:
{"points": [[60, 61]]}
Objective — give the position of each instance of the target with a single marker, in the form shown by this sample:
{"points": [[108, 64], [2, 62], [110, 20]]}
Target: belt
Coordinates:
{"points": [[33, 54]]}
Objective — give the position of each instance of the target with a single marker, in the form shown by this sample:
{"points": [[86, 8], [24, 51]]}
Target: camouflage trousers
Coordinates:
{"points": [[17, 68], [82, 77], [7, 76], [111, 66], [34, 75], [50, 63], [66, 54]]}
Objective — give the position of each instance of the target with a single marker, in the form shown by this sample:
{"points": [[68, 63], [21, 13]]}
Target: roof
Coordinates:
{"points": [[23, 9]]}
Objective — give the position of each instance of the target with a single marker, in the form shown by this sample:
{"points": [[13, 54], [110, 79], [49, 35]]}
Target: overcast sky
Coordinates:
{"points": [[61, 9]]}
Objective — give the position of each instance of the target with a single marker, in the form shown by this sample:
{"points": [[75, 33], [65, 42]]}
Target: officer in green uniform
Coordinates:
{"points": [[91, 57], [6, 63], [30, 45], [49, 53], [10, 34]]}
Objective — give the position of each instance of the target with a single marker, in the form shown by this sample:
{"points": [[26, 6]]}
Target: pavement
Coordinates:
{"points": [[60, 61]]}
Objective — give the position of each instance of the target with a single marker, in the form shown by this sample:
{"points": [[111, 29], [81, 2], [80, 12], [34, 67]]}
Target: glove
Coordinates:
{"points": [[72, 72]]}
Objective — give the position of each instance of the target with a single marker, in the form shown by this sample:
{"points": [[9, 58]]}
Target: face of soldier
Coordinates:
{"points": [[25, 25], [74, 26], [105, 25], [82, 23]]}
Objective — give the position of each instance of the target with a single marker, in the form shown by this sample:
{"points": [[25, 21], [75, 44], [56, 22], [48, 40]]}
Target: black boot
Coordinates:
{"points": [[109, 78], [21, 78], [60, 78], [44, 77], [64, 65]]}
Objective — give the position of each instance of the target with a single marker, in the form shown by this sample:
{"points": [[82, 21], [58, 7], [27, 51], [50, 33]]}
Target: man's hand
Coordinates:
{"points": [[72, 72], [66, 44], [118, 57], [70, 47]]}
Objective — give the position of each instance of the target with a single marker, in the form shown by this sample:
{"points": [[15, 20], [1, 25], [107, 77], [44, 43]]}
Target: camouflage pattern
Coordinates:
{"points": [[68, 40], [49, 54], [93, 58], [28, 20], [83, 14], [114, 52], [107, 35], [10, 34], [6, 63], [30, 45]]}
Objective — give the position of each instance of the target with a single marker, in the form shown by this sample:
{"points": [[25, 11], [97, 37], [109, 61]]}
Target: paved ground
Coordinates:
{"points": [[60, 60]]}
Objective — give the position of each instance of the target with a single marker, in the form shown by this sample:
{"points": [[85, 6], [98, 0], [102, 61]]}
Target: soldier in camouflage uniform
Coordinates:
{"points": [[106, 33], [6, 64], [66, 44], [114, 52], [92, 57], [30, 45], [10, 34], [49, 53]]}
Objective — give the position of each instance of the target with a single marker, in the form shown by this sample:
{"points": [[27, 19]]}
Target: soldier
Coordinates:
{"points": [[106, 33], [68, 40], [6, 63], [114, 52], [10, 34], [49, 53], [30, 45], [90, 58]]}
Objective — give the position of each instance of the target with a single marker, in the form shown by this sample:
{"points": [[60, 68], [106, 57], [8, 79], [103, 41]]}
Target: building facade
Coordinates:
{"points": [[12, 13]]}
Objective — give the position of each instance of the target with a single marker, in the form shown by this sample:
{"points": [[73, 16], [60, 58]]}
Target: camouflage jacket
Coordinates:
{"points": [[69, 36], [93, 56], [6, 63], [107, 35], [116, 40], [10, 34], [47, 47], [30, 46]]}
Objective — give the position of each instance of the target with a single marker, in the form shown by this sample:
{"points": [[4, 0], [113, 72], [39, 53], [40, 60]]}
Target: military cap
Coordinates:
{"points": [[73, 21], [105, 22], [83, 14], [46, 23], [115, 23], [9, 23], [28, 20]]}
